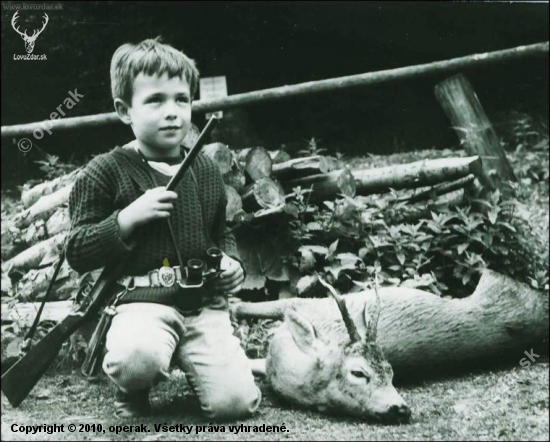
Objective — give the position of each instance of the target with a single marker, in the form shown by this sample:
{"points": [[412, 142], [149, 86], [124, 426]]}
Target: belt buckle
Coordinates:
{"points": [[167, 276]]}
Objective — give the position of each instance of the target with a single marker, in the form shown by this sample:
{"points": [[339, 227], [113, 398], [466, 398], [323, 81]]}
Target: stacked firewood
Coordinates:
{"points": [[258, 184]]}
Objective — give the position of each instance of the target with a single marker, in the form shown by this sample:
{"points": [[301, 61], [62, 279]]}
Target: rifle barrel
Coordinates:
{"points": [[172, 184]]}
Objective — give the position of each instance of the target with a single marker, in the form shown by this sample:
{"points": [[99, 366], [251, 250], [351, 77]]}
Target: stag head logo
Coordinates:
{"points": [[29, 41]]}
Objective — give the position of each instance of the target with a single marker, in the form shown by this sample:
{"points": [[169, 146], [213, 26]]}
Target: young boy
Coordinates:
{"points": [[153, 86]]}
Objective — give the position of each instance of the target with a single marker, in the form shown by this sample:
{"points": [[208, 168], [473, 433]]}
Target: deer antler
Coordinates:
{"points": [[14, 18], [35, 33], [43, 26], [373, 324], [350, 326]]}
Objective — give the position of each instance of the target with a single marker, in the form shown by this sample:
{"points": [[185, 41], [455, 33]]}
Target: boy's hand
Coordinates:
{"points": [[231, 278], [152, 205]]}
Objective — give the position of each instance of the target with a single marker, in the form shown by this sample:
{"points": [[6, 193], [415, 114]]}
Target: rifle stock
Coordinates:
{"points": [[21, 378]]}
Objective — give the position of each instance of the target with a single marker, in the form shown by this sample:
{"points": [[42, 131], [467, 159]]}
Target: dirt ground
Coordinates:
{"points": [[509, 403]]}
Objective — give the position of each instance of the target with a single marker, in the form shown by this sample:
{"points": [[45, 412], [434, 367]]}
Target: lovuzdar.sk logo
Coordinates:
{"points": [[29, 41]]}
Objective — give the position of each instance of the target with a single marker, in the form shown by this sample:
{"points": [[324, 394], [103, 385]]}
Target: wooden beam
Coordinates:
{"points": [[257, 97]]}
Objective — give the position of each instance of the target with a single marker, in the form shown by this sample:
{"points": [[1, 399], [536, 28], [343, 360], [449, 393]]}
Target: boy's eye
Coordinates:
{"points": [[153, 100], [183, 99]]}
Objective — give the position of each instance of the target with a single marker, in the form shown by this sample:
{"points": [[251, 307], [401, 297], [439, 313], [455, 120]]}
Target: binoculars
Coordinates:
{"points": [[198, 271]]}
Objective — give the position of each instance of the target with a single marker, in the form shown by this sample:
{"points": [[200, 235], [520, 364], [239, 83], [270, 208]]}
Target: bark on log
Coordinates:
{"points": [[33, 285], [300, 167], [326, 185], [31, 257], [58, 222], [24, 313], [234, 203], [263, 194], [220, 154], [440, 189], [43, 208], [422, 334], [460, 103], [258, 164], [412, 175], [32, 195], [36, 232]]}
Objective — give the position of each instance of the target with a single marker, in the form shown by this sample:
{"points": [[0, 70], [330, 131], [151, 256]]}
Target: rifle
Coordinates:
{"points": [[21, 378]]}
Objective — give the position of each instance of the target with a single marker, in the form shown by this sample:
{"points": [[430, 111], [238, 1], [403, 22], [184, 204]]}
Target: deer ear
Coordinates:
{"points": [[301, 330]]}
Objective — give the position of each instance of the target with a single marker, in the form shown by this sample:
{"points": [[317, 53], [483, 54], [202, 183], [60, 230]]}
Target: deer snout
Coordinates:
{"points": [[400, 413], [395, 414]]}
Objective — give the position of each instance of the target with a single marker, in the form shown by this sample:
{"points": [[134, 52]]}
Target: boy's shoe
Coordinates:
{"points": [[134, 404]]}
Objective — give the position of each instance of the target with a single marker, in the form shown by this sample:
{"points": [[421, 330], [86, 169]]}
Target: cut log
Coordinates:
{"points": [[32, 195], [263, 194], [258, 164], [411, 214], [33, 285], [300, 167], [241, 154], [326, 185], [60, 221], [234, 203], [12, 241], [6, 284], [235, 178], [36, 232], [440, 189], [220, 154], [279, 156], [422, 334], [43, 208], [460, 103], [31, 257], [24, 313], [418, 174]]}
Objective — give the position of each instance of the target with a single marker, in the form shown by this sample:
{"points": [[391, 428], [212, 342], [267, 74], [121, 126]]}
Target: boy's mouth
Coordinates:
{"points": [[170, 128]]}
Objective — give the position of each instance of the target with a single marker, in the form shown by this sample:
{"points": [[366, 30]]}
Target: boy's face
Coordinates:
{"points": [[160, 112]]}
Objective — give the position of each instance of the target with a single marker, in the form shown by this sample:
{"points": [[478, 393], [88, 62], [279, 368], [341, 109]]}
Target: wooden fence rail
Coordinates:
{"points": [[277, 93]]}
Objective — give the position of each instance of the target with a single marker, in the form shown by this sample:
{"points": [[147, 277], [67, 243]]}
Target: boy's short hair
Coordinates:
{"points": [[150, 57]]}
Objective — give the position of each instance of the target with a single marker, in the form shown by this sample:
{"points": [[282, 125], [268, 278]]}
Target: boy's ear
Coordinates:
{"points": [[123, 111]]}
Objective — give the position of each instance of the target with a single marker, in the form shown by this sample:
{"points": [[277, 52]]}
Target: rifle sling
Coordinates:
{"points": [[34, 326]]}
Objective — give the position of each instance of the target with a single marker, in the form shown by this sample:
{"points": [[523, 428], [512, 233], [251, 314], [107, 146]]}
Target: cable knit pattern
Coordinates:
{"points": [[104, 188]]}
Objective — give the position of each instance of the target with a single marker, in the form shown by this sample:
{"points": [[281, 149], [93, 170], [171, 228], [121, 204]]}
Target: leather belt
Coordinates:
{"points": [[163, 277]]}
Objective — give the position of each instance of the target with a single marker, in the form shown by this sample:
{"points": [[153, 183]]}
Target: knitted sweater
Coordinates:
{"points": [[104, 188]]}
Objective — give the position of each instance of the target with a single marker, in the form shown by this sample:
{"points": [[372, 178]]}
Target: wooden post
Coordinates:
{"points": [[460, 103]]}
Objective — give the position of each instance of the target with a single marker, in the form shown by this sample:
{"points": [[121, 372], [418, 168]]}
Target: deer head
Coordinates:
{"points": [[29, 41], [325, 370]]}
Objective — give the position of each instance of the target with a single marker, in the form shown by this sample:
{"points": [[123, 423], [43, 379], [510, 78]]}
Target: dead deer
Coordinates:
{"points": [[321, 361], [339, 360]]}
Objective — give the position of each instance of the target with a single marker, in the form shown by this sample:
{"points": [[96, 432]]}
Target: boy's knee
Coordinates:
{"points": [[137, 368], [233, 406]]}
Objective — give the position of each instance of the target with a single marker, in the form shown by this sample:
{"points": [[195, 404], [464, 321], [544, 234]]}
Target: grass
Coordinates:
{"points": [[503, 404]]}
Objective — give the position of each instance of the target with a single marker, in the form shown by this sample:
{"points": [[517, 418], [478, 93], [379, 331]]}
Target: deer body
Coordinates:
{"points": [[312, 361]]}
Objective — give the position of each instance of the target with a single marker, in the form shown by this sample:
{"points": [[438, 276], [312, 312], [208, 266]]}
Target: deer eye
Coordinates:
{"points": [[360, 374]]}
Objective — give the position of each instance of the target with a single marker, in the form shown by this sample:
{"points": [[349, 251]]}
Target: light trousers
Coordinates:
{"points": [[145, 338]]}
